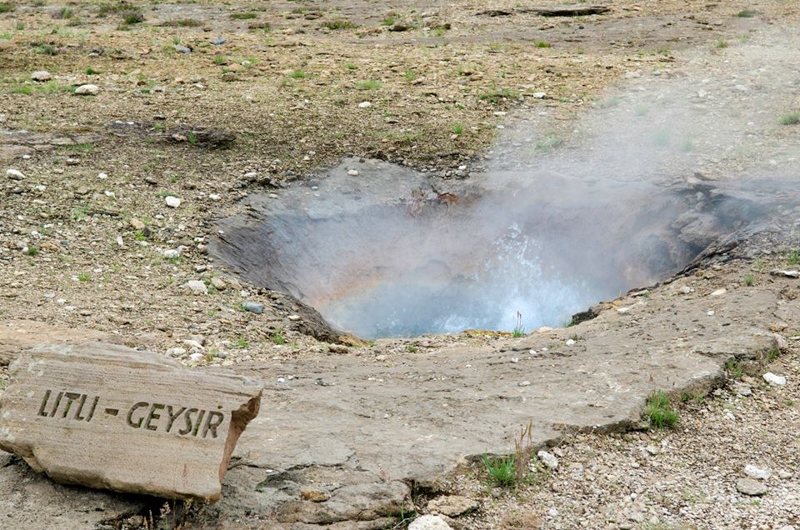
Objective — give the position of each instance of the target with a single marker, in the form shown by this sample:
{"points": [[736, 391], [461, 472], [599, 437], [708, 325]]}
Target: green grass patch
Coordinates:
{"points": [[793, 258], [659, 411], [734, 369], [792, 118], [7, 7], [298, 74], [243, 16], [458, 128], [388, 21], [747, 13], [370, 84], [542, 44], [24, 89], [502, 471], [278, 338], [183, 23], [83, 277]]}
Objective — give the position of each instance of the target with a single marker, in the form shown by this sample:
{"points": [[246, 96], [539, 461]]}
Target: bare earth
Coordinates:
{"points": [[363, 435]]}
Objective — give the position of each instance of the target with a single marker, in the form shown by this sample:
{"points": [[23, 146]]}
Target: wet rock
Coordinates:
{"points": [[41, 76], [83, 418], [87, 90], [751, 487], [757, 473], [452, 505], [773, 379], [429, 522]]}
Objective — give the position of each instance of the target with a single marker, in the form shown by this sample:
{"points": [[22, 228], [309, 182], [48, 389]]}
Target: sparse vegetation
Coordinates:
{"points": [[278, 338], [184, 23], [369, 84], [502, 471], [298, 74], [498, 94], [794, 258], [542, 44], [659, 411], [734, 369], [722, 44], [243, 16], [792, 118], [84, 277], [458, 128], [519, 329], [242, 343], [339, 23], [7, 7], [388, 21], [749, 279], [747, 13], [32, 251]]}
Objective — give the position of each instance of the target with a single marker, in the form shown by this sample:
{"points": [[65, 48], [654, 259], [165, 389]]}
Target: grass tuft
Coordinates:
{"points": [[793, 118], [660, 412]]}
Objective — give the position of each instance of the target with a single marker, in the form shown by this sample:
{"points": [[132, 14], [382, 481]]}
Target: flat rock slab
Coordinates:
{"points": [[110, 417]]}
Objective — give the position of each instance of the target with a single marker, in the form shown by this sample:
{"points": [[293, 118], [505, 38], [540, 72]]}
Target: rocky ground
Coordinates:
{"points": [[208, 103]]}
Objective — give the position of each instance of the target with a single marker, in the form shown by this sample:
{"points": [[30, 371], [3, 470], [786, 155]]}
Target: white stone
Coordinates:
{"points": [[364, 104], [539, 95], [175, 352], [570, 342], [172, 202], [352, 173], [548, 459], [102, 176], [754, 472], [87, 90], [15, 174], [41, 76], [773, 379], [196, 286], [719, 292], [196, 357], [171, 253], [429, 522]]}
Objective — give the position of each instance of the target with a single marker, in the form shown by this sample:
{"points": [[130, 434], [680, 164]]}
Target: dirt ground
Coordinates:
{"points": [[210, 102]]}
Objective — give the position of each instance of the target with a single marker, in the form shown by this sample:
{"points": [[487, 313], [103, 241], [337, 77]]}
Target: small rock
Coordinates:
{"points": [[742, 389], [686, 290], [570, 342], [175, 352], [182, 49], [548, 459], [719, 292], [219, 284], [253, 307], [295, 318], [87, 90], [352, 173], [314, 495], [196, 287], [364, 105], [14, 174], [196, 357], [171, 253], [41, 76], [452, 505], [786, 274], [219, 41], [757, 473], [136, 224], [773, 379], [525, 383], [751, 487], [172, 202], [429, 522], [73, 161], [539, 95], [785, 475]]}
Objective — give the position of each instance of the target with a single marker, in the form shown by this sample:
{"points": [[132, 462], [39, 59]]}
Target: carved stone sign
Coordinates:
{"points": [[110, 417]]}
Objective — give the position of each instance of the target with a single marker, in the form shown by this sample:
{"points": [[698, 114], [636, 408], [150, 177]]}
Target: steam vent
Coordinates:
{"points": [[382, 251]]}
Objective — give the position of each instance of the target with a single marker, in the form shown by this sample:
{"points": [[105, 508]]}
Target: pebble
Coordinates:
{"points": [[773, 379], [570, 342], [196, 287], [364, 105], [719, 292], [429, 522], [219, 41], [171, 253], [253, 307], [757, 473], [452, 505], [136, 224], [15, 174], [182, 49], [750, 487], [196, 357], [742, 389], [176, 352], [548, 459], [102, 176], [219, 284], [87, 90], [525, 383], [295, 318], [172, 202], [352, 173], [686, 290], [539, 95], [41, 76]]}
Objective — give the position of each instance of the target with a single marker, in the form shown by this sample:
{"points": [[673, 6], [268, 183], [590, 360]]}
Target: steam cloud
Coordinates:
{"points": [[651, 175]]}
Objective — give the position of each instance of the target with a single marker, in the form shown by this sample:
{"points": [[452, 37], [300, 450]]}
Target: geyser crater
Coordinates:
{"points": [[393, 252]]}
